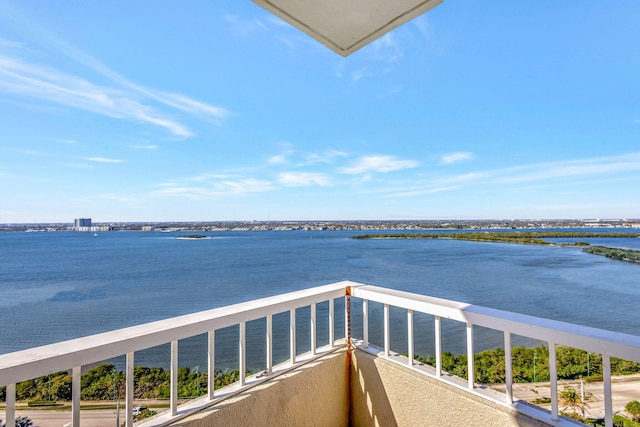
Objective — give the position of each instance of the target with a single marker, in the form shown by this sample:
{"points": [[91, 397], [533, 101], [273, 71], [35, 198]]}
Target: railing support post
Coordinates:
{"points": [[470, 364], [173, 404], [508, 367], [438, 337], [365, 323], [313, 328], [269, 344], [553, 379], [387, 344], [292, 335], [608, 407], [129, 390], [211, 380], [10, 409], [332, 323], [76, 374], [242, 355], [410, 336], [347, 320]]}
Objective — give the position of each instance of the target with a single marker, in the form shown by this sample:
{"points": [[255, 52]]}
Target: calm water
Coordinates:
{"points": [[57, 286]]}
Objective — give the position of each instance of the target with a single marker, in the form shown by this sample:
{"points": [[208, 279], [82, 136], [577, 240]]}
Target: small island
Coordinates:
{"points": [[529, 238]]}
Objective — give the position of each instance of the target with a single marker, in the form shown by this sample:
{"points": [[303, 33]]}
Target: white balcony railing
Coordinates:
{"points": [[73, 354]]}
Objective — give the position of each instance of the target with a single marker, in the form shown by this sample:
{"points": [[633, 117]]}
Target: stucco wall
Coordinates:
{"points": [[315, 394], [384, 393], [369, 391]]}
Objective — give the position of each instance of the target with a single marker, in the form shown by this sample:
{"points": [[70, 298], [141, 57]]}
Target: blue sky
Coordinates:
{"points": [[217, 110]]}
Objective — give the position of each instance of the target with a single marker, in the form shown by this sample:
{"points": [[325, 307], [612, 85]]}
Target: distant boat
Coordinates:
{"points": [[95, 234]]}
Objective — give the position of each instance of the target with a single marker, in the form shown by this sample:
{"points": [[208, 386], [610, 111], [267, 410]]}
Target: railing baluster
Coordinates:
{"points": [[606, 373], [242, 353], [173, 404], [10, 409], [387, 344], [269, 344], [211, 380], [129, 390], [347, 307], [470, 364], [508, 367], [313, 328], [332, 322], [292, 334], [438, 333], [76, 374], [410, 336], [365, 323], [553, 378]]}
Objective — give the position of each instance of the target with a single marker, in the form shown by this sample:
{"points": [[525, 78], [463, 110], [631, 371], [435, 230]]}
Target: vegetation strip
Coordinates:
{"points": [[528, 238]]}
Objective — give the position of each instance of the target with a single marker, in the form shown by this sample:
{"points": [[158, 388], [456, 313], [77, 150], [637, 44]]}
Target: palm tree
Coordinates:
{"points": [[570, 398]]}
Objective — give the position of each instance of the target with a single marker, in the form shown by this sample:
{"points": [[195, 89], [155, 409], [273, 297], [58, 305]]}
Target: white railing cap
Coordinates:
{"points": [[601, 341], [38, 361]]}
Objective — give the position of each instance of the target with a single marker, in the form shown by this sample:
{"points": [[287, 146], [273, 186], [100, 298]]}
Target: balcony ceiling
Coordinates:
{"points": [[345, 26]]}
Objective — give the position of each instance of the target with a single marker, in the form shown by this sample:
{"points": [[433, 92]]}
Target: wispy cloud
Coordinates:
{"points": [[215, 189], [423, 192], [103, 160], [327, 156], [537, 175], [150, 147], [378, 164], [34, 81], [303, 179], [32, 152], [451, 158], [123, 99], [572, 168], [278, 159]]}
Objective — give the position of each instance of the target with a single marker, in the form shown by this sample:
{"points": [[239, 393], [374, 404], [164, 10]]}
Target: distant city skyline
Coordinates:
{"points": [[217, 111]]}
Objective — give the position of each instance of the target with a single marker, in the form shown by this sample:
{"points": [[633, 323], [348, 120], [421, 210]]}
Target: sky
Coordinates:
{"points": [[217, 110]]}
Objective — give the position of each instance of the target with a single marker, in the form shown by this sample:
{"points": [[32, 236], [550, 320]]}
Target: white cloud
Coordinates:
{"points": [[303, 179], [327, 156], [378, 164], [35, 81], [451, 158], [103, 160], [424, 192], [572, 168], [277, 159], [215, 189], [149, 147], [124, 100]]}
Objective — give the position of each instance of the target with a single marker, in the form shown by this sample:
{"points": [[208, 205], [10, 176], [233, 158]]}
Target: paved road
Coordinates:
{"points": [[624, 389], [93, 418]]}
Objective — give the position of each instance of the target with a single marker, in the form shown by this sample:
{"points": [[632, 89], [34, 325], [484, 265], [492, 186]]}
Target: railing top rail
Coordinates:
{"points": [[614, 344], [35, 362]]}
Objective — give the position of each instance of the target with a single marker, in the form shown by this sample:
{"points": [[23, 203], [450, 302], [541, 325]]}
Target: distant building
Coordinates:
{"points": [[84, 224], [80, 223]]}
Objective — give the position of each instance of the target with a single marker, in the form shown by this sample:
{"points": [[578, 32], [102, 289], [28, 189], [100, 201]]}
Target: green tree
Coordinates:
{"points": [[570, 399], [633, 409]]}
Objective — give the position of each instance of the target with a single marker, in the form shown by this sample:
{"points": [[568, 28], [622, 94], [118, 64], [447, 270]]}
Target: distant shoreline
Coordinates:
{"points": [[530, 238]]}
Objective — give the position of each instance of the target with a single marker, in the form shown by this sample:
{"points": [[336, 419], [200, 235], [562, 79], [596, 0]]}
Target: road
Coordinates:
{"points": [[92, 418], [624, 390]]}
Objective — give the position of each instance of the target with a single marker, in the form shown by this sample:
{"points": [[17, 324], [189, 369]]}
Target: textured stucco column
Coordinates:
{"points": [[315, 394], [384, 393]]}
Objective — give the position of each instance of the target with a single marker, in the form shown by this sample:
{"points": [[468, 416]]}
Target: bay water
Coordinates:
{"points": [[63, 285]]}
